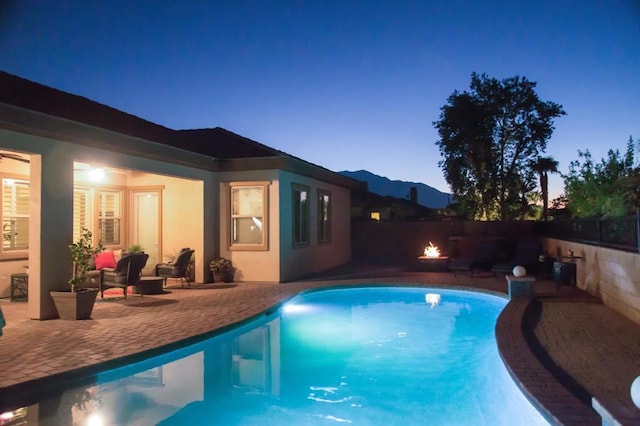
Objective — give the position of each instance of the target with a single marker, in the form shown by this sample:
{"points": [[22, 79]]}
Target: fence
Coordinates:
{"points": [[614, 232], [392, 241], [397, 241]]}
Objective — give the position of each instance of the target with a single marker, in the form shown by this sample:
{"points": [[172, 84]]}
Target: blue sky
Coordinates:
{"points": [[346, 85]]}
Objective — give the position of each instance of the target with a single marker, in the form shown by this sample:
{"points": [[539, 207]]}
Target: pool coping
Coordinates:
{"points": [[555, 402]]}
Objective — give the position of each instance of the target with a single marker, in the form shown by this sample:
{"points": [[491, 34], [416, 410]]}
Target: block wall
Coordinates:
{"points": [[611, 275]]}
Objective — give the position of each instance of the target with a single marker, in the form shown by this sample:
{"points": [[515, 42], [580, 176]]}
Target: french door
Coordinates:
{"points": [[146, 223]]}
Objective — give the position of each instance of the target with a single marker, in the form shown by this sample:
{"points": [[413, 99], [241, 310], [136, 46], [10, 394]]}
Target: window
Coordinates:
{"points": [[15, 214], [324, 216], [81, 211], [300, 214], [110, 216], [249, 216], [105, 207]]}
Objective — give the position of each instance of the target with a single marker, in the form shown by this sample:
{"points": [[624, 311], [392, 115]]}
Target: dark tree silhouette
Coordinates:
{"points": [[489, 136], [543, 166]]}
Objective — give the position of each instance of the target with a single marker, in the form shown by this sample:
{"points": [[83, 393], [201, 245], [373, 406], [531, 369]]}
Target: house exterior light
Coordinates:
{"points": [[97, 174]]}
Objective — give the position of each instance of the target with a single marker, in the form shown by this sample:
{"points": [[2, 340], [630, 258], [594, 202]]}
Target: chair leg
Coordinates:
{"points": [[125, 292]]}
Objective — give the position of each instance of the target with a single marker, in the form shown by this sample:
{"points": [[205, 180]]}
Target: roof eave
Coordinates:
{"points": [[52, 127], [291, 164]]}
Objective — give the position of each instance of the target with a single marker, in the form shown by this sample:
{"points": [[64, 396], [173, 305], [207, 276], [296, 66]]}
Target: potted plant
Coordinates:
{"points": [[135, 248], [222, 270], [77, 303]]}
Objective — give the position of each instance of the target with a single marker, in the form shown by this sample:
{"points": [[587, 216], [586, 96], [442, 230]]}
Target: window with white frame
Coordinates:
{"points": [[110, 216], [249, 215], [82, 211], [15, 214], [300, 214], [324, 216]]}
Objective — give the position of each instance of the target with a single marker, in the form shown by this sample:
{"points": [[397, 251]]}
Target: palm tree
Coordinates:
{"points": [[542, 166]]}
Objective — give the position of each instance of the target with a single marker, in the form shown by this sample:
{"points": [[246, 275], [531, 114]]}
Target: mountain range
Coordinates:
{"points": [[427, 195]]}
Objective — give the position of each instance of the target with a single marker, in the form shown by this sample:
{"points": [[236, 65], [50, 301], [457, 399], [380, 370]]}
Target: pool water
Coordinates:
{"points": [[362, 356]]}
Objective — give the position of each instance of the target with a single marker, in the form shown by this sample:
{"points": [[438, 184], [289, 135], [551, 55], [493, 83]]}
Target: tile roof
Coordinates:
{"points": [[222, 143], [214, 142]]}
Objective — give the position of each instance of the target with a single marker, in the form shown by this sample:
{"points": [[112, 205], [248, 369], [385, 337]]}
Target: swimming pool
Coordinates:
{"points": [[374, 355]]}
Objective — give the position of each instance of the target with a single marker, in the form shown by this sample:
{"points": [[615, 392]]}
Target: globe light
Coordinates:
{"points": [[635, 391], [519, 271]]}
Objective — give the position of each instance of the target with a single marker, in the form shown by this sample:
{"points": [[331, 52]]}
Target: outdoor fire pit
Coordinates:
{"points": [[432, 260]]}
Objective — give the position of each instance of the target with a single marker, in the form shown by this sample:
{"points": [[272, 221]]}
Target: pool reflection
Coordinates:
{"points": [[246, 363]]}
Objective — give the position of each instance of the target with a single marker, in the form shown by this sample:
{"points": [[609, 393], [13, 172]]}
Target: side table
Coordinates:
{"points": [[565, 270], [19, 286], [149, 285]]}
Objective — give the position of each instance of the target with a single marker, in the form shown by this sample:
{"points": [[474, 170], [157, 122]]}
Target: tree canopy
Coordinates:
{"points": [[608, 188], [490, 136]]}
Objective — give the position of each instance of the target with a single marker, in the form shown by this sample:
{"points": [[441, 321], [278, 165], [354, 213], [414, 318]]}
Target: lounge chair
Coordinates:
{"points": [[127, 272], [179, 268], [474, 256]]}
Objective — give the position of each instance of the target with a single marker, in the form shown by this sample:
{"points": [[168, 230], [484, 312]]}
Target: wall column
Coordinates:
{"points": [[50, 229]]}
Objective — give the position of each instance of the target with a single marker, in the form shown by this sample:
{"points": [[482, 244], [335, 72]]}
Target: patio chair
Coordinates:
{"points": [[127, 272], [179, 268], [527, 253]]}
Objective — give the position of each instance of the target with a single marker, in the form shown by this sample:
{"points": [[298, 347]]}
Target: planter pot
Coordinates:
{"points": [[222, 277], [74, 305], [564, 273]]}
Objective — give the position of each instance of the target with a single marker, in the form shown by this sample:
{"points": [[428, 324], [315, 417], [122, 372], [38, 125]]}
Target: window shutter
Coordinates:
{"points": [[110, 217], [81, 211], [15, 214]]}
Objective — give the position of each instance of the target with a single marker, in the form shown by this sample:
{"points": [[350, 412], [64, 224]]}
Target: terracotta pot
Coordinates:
{"points": [[222, 277]]}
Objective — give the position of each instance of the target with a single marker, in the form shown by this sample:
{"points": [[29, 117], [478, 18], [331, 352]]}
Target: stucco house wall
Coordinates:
{"points": [[297, 261], [251, 265], [282, 261]]}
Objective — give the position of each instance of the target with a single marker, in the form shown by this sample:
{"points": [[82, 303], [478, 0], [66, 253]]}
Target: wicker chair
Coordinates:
{"points": [[127, 272], [179, 268]]}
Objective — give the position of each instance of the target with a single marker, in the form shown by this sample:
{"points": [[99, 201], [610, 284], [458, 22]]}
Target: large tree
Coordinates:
{"points": [[605, 188], [489, 137]]}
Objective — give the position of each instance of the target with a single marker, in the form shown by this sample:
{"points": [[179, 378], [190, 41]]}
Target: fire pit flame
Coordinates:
{"points": [[431, 250]]}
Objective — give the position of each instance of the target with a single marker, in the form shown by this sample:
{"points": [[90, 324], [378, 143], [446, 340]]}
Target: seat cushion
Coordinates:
{"points": [[168, 269], [111, 277]]}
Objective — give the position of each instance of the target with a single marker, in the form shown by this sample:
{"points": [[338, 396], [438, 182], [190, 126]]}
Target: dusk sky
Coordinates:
{"points": [[346, 85]]}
